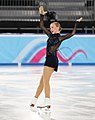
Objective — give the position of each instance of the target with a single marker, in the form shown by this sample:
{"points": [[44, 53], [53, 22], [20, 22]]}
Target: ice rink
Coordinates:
{"points": [[72, 93]]}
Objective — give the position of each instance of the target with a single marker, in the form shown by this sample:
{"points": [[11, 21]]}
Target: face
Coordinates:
{"points": [[54, 29]]}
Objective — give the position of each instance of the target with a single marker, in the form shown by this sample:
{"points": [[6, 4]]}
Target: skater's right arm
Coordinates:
{"points": [[42, 12]]}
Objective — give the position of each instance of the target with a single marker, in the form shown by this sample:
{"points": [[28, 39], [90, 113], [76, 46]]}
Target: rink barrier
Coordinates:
{"points": [[30, 49], [41, 64]]}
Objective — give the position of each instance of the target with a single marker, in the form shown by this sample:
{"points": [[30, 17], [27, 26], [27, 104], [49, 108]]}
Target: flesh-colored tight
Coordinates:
{"points": [[44, 82]]}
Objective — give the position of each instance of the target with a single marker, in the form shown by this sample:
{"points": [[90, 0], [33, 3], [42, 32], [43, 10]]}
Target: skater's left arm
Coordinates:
{"points": [[64, 37]]}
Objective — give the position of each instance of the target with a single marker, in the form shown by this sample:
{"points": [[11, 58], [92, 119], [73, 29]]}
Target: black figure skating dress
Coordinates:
{"points": [[53, 42]]}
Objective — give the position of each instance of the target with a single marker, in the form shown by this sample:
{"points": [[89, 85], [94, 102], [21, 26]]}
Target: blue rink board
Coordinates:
{"points": [[30, 49]]}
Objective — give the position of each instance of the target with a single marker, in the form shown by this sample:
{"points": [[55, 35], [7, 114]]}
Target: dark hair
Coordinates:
{"points": [[51, 16]]}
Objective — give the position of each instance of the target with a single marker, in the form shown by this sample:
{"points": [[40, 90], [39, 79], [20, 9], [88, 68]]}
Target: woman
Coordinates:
{"points": [[51, 63]]}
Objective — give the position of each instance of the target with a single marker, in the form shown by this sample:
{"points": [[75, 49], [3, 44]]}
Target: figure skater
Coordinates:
{"points": [[51, 63]]}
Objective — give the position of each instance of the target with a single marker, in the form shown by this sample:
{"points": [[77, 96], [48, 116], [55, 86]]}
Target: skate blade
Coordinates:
{"points": [[44, 109], [48, 107]]}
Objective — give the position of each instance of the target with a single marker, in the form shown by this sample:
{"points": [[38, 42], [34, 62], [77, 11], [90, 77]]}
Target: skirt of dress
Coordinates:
{"points": [[51, 61]]}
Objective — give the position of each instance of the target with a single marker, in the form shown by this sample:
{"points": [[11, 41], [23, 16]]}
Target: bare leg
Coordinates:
{"points": [[40, 88], [38, 92], [46, 77], [44, 84]]}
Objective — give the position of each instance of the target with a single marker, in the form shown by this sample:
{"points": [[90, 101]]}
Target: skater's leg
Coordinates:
{"points": [[38, 92], [44, 84], [46, 77], [40, 88], [47, 72]]}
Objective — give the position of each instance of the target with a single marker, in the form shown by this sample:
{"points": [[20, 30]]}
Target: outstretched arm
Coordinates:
{"points": [[64, 37], [42, 12]]}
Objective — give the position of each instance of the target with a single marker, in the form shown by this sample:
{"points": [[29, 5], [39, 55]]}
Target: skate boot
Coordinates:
{"points": [[46, 104], [34, 101], [32, 105]]}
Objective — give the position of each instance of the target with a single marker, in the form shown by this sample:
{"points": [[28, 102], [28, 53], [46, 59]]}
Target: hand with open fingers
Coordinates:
{"points": [[80, 19], [41, 10]]}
